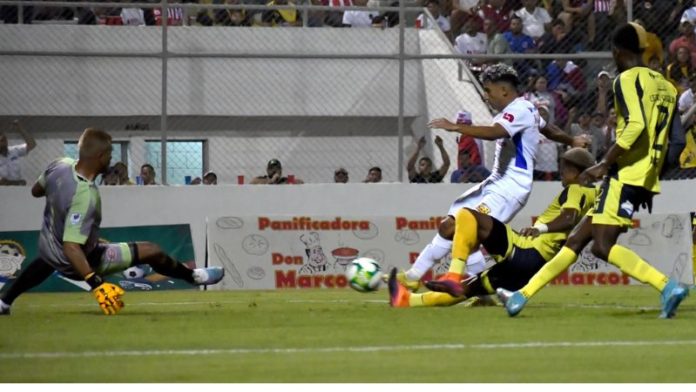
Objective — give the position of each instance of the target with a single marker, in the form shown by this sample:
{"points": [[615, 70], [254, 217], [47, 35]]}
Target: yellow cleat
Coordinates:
{"points": [[411, 285]]}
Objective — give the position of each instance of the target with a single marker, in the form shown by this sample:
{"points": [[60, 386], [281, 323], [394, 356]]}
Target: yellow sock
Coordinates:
{"points": [[563, 259], [457, 266], [432, 298], [465, 228], [639, 269], [465, 239], [487, 283]]}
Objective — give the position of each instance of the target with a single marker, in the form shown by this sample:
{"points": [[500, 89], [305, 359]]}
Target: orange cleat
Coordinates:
{"points": [[398, 294], [450, 283]]}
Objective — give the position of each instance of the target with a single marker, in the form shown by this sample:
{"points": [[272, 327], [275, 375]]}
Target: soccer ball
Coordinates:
{"points": [[364, 274], [134, 272]]}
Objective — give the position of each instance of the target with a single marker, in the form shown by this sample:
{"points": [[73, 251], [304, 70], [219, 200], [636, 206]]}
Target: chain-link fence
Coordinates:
{"points": [[227, 86]]}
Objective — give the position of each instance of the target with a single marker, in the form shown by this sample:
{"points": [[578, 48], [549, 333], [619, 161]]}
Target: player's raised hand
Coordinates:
{"points": [[109, 298], [438, 141], [443, 123]]}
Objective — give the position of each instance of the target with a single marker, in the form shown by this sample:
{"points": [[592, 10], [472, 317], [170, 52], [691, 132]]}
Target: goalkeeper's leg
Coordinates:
{"points": [[150, 253], [35, 273]]}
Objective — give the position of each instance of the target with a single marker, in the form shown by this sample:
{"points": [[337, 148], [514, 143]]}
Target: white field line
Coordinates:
{"points": [[354, 349], [314, 301]]}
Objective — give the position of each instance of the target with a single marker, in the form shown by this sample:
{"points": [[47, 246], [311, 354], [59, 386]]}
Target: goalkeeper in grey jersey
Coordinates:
{"points": [[69, 240]]}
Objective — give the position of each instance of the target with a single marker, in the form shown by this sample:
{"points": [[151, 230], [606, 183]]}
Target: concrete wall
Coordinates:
{"points": [[138, 206], [313, 115]]}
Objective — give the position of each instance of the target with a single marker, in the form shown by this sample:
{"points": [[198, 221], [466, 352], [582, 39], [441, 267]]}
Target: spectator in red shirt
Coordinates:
{"points": [[498, 11], [687, 39]]}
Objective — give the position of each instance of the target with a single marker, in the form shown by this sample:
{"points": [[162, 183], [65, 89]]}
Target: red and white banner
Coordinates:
{"points": [[296, 252]]}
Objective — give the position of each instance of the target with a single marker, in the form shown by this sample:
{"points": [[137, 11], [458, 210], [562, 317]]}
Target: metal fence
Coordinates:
{"points": [[227, 86]]}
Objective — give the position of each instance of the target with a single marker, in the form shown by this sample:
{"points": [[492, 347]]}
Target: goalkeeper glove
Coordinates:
{"points": [[107, 295]]}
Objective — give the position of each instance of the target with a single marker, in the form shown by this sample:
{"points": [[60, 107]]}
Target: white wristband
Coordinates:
{"points": [[541, 227]]}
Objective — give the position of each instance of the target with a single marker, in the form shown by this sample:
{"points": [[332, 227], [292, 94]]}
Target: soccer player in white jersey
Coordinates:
{"points": [[516, 131]]}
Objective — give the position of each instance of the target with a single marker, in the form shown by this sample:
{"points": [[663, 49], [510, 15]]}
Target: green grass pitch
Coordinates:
{"points": [[566, 334]]}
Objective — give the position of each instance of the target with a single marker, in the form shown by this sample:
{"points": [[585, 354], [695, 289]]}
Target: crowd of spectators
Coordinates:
{"points": [[571, 94]]}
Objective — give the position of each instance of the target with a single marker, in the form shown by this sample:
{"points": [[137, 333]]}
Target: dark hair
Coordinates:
{"points": [[500, 72], [376, 168], [147, 165], [425, 159], [625, 37]]}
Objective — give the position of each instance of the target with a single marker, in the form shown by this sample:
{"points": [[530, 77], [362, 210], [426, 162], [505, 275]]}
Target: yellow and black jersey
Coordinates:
{"points": [[645, 104], [574, 196]]}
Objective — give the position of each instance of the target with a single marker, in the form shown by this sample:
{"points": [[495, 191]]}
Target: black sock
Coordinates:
{"points": [[174, 269], [35, 273]]}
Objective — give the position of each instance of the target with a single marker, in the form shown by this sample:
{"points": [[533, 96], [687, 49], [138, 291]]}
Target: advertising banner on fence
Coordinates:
{"points": [[18, 248], [297, 252]]}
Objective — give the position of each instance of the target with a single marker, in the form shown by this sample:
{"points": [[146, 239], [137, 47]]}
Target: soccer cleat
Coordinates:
{"points": [[513, 301], [671, 297], [411, 285], [208, 276], [449, 283], [398, 295]]}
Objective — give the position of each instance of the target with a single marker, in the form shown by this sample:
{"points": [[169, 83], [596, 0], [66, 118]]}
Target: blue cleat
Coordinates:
{"points": [[671, 297], [208, 276], [513, 301]]}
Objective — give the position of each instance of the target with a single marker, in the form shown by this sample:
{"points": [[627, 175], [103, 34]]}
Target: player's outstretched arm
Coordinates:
{"points": [[599, 170], [107, 295], [563, 222], [553, 132], [492, 132]]}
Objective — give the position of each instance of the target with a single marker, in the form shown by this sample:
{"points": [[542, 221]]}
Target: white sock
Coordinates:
{"points": [[438, 248], [476, 263], [200, 275], [3, 305]]}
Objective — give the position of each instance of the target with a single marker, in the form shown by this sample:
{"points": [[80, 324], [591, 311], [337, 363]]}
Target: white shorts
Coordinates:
{"points": [[485, 201]]}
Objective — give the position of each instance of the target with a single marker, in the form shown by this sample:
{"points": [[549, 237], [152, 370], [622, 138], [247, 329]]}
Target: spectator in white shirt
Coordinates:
{"points": [[536, 20], [472, 41], [133, 16], [359, 18], [442, 21], [10, 173], [686, 99]]}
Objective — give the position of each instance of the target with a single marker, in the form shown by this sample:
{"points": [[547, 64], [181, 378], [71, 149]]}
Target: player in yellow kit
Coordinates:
{"points": [[520, 255], [645, 105]]}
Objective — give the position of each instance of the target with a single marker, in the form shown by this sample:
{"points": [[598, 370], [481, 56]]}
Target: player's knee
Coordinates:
{"points": [[150, 252], [446, 228]]}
